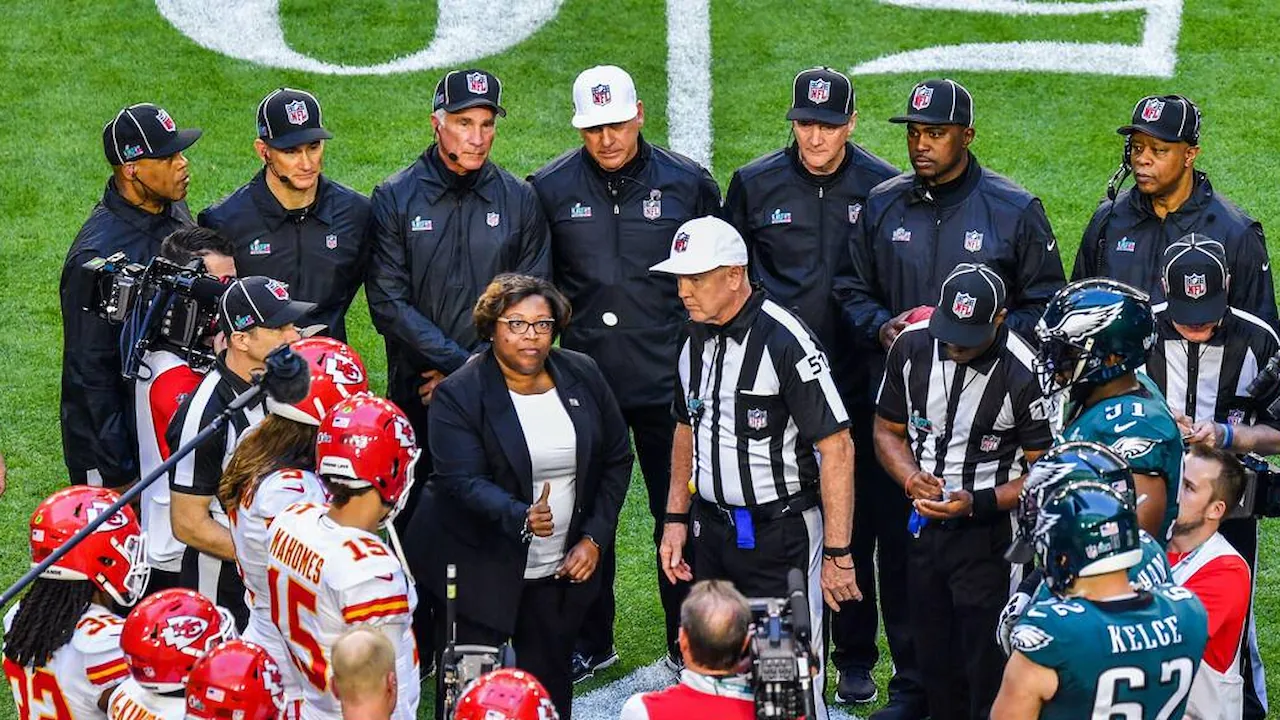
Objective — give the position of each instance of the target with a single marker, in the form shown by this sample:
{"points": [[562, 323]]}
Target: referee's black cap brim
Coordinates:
{"points": [[946, 329], [1203, 312], [302, 137], [819, 115]]}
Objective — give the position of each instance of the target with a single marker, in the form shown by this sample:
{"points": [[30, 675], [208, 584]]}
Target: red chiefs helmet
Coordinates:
{"points": [[367, 440], [337, 373], [113, 557], [236, 680], [506, 694], [167, 632]]}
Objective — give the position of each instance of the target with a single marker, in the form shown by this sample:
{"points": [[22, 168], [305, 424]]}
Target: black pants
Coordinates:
{"points": [[547, 622], [653, 428], [959, 582], [793, 541], [417, 414], [880, 540], [1243, 536], [162, 580], [218, 580]]}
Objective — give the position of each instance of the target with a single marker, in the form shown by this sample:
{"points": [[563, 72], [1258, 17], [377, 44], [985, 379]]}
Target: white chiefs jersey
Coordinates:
{"points": [[69, 685], [131, 701], [323, 578], [249, 527]]}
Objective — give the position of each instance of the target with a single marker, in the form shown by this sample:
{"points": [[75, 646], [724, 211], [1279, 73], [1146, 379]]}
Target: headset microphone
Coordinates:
{"points": [[271, 166]]}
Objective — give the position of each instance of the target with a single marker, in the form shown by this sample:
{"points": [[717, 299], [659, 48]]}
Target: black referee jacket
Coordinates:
{"points": [[1207, 381], [320, 252], [797, 227], [438, 240], [97, 403], [607, 230], [1126, 240], [912, 240]]}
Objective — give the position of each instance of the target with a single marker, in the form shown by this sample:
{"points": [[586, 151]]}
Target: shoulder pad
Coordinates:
{"points": [[284, 488], [362, 558], [97, 632]]}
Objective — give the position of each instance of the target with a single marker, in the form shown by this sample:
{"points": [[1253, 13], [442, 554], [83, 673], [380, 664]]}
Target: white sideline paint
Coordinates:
{"points": [[1156, 56], [605, 702], [466, 31], [689, 79]]}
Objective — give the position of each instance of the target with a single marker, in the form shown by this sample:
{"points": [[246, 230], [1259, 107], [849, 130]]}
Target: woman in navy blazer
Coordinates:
{"points": [[526, 541]]}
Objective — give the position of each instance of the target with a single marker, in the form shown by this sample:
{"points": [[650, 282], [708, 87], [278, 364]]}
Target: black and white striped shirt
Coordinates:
{"points": [[759, 394], [966, 424], [1207, 381]]}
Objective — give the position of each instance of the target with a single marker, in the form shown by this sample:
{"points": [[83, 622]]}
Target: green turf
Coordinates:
{"points": [[68, 67]]}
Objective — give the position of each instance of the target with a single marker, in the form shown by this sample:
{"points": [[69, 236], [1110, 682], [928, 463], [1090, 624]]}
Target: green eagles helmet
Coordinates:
{"points": [[1085, 324], [1079, 460], [1085, 528]]}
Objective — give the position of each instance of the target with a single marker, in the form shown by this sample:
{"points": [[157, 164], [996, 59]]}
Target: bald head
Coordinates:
{"points": [[715, 619], [364, 674]]}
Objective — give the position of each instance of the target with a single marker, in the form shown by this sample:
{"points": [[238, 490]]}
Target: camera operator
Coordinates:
{"points": [[1206, 564], [142, 204], [257, 316], [715, 623], [166, 381], [1207, 355]]}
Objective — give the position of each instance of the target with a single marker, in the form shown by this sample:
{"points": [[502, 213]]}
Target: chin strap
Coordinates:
{"points": [[398, 549]]}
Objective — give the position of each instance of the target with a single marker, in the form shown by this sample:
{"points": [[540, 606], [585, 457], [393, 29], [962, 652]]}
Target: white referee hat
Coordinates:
{"points": [[603, 95], [703, 244]]}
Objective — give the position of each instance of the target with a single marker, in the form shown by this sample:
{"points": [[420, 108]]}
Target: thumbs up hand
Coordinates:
{"points": [[539, 514]]}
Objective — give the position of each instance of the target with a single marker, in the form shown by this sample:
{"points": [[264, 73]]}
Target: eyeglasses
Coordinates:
{"points": [[520, 327]]}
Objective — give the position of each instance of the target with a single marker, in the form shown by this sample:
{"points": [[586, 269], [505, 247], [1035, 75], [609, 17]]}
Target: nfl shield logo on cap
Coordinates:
{"points": [[1195, 286], [819, 91], [973, 241], [963, 305], [1153, 109], [921, 98], [681, 242], [278, 289], [600, 95], [478, 83], [165, 120], [296, 111]]}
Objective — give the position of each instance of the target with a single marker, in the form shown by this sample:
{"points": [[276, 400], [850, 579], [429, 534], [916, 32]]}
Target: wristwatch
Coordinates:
{"points": [[526, 532]]}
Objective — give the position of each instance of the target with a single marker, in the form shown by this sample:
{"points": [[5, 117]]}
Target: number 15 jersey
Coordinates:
{"points": [[324, 578]]}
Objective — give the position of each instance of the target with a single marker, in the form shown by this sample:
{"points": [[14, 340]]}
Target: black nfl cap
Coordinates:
{"points": [[289, 118], [462, 89], [1171, 118], [144, 131], [822, 95], [938, 102], [972, 296], [1196, 280], [258, 301]]}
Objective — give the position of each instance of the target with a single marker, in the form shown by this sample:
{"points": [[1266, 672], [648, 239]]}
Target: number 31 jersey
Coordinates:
{"points": [[1132, 658], [324, 578]]}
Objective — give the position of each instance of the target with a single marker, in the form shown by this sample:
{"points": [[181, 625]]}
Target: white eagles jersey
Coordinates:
{"points": [[131, 701], [324, 578], [250, 522], [69, 685]]}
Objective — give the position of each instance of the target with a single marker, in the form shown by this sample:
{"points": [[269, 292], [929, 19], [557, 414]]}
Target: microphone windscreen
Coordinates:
{"points": [[287, 378]]}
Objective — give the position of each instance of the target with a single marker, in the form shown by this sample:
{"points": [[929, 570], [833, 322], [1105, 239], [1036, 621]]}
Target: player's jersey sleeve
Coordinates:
{"points": [[1039, 634], [1154, 568], [368, 582], [97, 640], [283, 488]]}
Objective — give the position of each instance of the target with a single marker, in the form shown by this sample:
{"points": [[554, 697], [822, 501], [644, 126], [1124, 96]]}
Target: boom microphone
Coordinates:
{"points": [[796, 596], [287, 378]]}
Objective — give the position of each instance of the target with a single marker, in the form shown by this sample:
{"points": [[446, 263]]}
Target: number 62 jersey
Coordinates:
{"points": [[325, 578], [1131, 658]]}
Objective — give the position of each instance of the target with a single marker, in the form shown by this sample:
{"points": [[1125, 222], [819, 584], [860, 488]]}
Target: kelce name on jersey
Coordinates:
{"points": [[300, 558], [1144, 636]]}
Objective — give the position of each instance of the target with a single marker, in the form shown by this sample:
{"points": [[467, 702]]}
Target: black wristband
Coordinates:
{"points": [[671, 517], [836, 552], [984, 504]]}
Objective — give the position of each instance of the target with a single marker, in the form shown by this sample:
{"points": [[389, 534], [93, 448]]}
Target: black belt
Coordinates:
{"points": [[768, 512]]}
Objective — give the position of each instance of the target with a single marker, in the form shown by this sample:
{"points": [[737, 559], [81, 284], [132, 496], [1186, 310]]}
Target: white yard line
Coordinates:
{"points": [[689, 79]]}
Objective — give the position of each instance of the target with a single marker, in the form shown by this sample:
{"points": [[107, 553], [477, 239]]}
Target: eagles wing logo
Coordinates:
{"points": [[1048, 473], [1028, 638], [1133, 447], [1086, 322]]}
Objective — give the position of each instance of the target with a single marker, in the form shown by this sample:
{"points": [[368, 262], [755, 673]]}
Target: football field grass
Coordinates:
{"points": [[69, 67]]}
